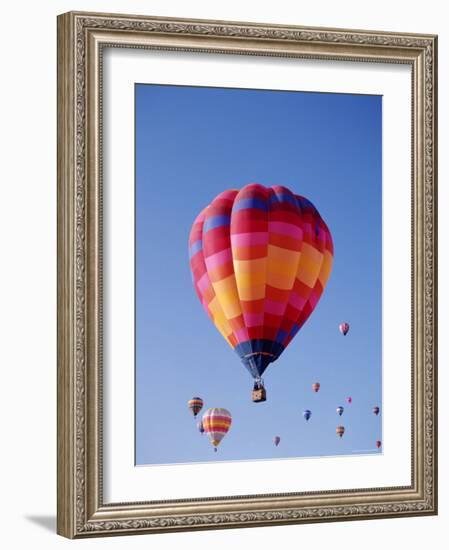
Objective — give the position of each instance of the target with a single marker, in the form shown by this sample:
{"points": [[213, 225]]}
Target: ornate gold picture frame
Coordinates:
{"points": [[82, 40]]}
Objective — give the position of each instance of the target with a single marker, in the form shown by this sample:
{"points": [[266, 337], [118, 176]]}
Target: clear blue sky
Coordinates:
{"points": [[191, 144]]}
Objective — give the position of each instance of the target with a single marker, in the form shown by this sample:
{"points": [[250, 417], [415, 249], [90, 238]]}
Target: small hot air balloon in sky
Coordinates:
{"points": [[277, 440], [200, 427], [260, 259], [340, 410], [344, 328], [340, 431], [307, 414], [195, 405], [378, 444], [316, 386], [349, 400], [376, 410], [216, 423]]}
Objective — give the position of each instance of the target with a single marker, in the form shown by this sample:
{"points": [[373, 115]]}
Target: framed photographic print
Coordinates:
{"points": [[246, 274]]}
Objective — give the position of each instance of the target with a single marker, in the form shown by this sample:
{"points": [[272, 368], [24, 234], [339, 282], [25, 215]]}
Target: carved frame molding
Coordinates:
{"points": [[81, 39]]}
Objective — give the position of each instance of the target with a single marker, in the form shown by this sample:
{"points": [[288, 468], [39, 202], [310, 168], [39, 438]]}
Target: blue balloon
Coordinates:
{"points": [[340, 410], [307, 414]]}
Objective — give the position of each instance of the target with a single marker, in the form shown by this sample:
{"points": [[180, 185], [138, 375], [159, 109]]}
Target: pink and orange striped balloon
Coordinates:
{"points": [[216, 424]]}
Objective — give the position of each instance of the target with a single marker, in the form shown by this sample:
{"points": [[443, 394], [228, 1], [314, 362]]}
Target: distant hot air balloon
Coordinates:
{"points": [[340, 410], [344, 328], [277, 440], [376, 410], [378, 444], [200, 427], [195, 405], [316, 386], [349, 400], [216, 423], [340, 430], [307, 414], [260, 259]]}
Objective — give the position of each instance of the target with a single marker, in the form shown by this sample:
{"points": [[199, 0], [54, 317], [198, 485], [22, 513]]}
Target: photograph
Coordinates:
{"points": [[258, 274], [247, 283], [221, 310]]}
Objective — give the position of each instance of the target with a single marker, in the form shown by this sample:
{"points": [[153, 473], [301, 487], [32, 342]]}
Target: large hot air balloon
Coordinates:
{"points": [[216, 423], [344, 328], [277, 440], [340, 431], [378, 444], [340, 410], [195, 405], [316, 386], [307, 414], [260, 259], [349, 400], [376, 410]]}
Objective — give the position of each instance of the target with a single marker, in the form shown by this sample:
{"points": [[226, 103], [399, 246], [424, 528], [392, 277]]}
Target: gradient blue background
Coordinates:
{"points": [[191, 144]]}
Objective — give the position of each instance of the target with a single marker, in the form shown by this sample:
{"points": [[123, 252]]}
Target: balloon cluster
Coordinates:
{"points": [[340, 430], [216, 421]]}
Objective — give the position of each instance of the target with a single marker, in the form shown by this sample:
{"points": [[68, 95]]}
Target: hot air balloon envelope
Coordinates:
{"points": [[349, 400], [340, 430], [378, 444], [316, 386], [307, 414], [340, 410], [376, 410], [260, 259], [277, 440], [344, 328], [195, 405], [216, 423]]}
